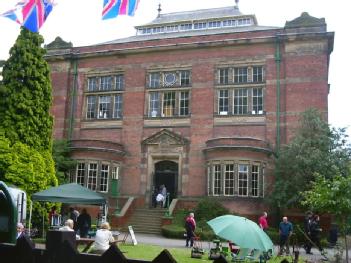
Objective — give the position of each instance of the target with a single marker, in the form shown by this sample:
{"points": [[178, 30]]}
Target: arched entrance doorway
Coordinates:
{"points": [[166, 173]]}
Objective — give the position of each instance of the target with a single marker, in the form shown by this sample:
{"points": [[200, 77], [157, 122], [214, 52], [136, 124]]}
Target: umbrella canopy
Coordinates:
{"points": [[70, 194], [242, 231]]}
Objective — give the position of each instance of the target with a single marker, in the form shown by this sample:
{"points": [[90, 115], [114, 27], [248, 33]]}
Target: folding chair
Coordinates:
{"points": [[254, 255], [124, 239], [242, 255]]}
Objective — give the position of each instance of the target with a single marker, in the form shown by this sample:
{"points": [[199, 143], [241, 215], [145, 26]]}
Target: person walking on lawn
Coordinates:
{"points": [[285, 231], [190, 226], [262, 221]]}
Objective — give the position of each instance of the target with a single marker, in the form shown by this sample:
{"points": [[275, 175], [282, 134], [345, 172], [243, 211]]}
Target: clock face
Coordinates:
{"points": [[170, 79]]}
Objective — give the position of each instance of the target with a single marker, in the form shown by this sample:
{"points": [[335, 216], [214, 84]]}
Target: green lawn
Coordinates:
{"points": [[182, 255]]}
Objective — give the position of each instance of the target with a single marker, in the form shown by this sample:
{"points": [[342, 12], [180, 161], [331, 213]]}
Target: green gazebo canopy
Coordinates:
{"points": [[69, 194]]}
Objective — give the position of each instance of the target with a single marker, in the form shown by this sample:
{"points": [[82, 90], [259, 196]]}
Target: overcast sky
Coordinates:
{"points": [[79, 21]]}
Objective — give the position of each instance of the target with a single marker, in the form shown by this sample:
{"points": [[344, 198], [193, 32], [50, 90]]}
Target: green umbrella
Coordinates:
{"points": [[242, 231]]}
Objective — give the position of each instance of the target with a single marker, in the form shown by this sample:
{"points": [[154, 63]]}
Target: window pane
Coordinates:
{"points": [[119, 82], [92, 176], [240, 75], [254, 180], [168, 104], [257, 101], [257, 74], [240, 101], [217, 179], [243, 179], [106, 83], [91, 107], [104, 178], [117, 110], [154, 80], [223, 102], [81, 174], [184, 78], [184, 103], [154, 104], [229, 179], [92, 84], [169, 79], [224, 76], [104, 107]]}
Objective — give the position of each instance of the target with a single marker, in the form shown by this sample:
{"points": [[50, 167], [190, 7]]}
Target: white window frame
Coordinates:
{"points": [[216, 179], [255, 180], [80, 173], [229, 178], [92, 176], [223, 102], [104, 107], [104, 178], [241, 180], [240, 95]]}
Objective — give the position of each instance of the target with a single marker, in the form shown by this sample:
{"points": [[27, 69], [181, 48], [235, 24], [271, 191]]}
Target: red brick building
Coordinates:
{"points": [[198, 101]]}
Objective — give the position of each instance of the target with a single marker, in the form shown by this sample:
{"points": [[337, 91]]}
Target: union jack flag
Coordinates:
{"points": [[35, 13], [113, 8]]}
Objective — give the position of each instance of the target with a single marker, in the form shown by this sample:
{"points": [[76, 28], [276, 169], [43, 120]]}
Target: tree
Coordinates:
{"points": [[25, 121], [63, 163], [26, 94], [315, 149], [331, 196]]}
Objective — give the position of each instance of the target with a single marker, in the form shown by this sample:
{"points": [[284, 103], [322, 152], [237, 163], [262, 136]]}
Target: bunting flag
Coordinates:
{"points": [[35, 13], [11, 14], [113, 8], [14, 14]]}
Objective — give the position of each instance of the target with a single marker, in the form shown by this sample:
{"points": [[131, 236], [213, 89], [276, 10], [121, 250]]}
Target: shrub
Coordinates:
{"points": [[173, 231], [208, 209]]}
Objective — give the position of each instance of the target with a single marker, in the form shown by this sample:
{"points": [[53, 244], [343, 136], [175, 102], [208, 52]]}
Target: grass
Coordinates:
{"points": [[183, 255]]}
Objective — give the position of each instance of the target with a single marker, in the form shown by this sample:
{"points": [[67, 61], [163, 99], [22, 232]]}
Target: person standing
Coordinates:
{"points": [[20, 231], [285, 231], [316, 231], [164, 193], [84, 223], [73, 214], [263, 222], [307, 227], [190, 226]]}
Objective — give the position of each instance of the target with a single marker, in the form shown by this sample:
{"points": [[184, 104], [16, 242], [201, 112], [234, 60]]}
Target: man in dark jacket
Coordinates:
{"points": [[316, 231], [307, 227], [84, 223]]}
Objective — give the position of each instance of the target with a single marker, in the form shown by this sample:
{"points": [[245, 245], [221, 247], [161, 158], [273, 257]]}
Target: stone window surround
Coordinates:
{"points": [[222, 162], [87, 162], [113, 93]]}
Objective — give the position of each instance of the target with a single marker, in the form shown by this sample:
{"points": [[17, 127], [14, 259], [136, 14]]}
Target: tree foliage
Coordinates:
{"points": [[25, 167], [63, 163], [26, 94], [315, 149], [331, 196]]}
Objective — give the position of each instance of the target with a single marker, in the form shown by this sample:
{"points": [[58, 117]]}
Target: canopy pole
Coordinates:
{"points": [[30, 216], [43, 227]]}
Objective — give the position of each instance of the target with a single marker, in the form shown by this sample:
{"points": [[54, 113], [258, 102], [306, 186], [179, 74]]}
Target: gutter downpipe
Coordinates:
{"points": [[277, 62], [74, 61]]}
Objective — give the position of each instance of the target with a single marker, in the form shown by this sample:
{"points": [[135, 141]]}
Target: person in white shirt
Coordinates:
{"points": [[68, 225], [103, 239]]}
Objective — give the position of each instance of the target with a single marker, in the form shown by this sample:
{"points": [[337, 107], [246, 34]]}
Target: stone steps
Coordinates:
{"points": [[147, 221]]}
